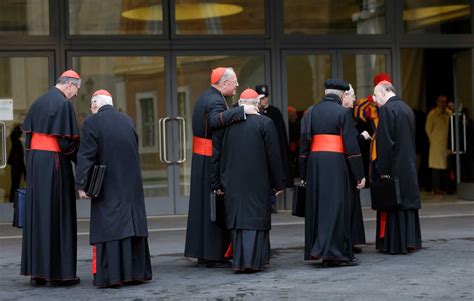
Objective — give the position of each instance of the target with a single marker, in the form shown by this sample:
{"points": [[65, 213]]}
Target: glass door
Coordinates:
{"points": [[191, 75], [139, 85], [462, 126]]}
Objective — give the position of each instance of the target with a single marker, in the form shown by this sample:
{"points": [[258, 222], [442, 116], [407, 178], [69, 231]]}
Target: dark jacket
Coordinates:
{"points": [[109, 138], [396, 151]]}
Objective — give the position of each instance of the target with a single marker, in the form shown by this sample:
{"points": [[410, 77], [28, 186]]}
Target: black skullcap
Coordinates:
{"points": [[336, 84], [262, 90]]}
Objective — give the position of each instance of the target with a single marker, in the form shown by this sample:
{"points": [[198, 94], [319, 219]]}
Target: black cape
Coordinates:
{"points": [[274, 114], [204, 239], [50, 233], [328, 200], [109, 138], [247, 166]]}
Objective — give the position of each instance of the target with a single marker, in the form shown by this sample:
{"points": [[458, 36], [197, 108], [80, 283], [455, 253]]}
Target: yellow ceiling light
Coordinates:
{"points": [[184, 12], [418, 14]]}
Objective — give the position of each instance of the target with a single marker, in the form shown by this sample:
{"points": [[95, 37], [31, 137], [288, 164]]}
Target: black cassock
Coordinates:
{"points": [[274, 114], [329, 180], [398, 230], [204, 239], [49, 246], [118, 225], [247, 166]]}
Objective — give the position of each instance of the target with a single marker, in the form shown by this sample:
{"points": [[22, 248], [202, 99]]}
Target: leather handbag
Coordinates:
{"points": [[299, 200], [217, 209], [96, 178], [385, 194]]}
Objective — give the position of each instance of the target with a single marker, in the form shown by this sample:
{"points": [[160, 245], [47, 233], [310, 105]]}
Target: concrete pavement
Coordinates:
{"points": [[442, 270]]}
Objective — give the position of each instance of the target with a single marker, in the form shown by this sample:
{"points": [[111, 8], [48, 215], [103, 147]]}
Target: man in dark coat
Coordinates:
{"points": [[246, 174], [16, 159], [398, 230], [329, 153], [49, 246], [204, 239], [118, 226]]}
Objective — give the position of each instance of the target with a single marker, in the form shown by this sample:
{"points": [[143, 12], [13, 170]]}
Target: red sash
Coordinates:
{"points": [[202, 146], [327, 143], [44, 142]]}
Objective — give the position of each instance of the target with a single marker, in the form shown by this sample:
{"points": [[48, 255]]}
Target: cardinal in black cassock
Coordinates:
{"points": [[246, 167], [205, 240], [329, 154], [398, 230], [118, 226], [52, 138]]}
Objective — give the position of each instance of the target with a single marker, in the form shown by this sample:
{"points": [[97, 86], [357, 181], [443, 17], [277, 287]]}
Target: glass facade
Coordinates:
{"points": [[155, 56], [20, 18]]}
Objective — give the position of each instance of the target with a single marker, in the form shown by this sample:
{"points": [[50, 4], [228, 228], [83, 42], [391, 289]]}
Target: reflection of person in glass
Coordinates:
{"points": [[49, 248], [294, 127], [257, 166], [357, 228], [329, 157], [398, 230], [204, 239], [16, 158], [118, 225]]}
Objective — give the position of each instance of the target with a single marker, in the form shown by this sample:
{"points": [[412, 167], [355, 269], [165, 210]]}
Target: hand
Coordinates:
{"points": [[279, 192], [250, 110], [384, 176], [219, 192], [303, 183], [366, 135], [361, 183], [83, 194]]}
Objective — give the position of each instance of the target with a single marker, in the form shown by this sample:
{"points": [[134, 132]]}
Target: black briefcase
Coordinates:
{"points": [[385, 194], [94, 183], [217, 207], [19, 208], [299, 201]]}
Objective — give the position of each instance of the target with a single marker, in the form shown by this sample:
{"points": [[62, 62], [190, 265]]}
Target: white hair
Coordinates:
{"points": [[387, 87], [228, 73], [102, 100], [249, 101], [334, 91]]}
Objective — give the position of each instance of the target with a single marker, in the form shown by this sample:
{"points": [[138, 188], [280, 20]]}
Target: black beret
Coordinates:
{"points": [[261, 90], [336, 84]]}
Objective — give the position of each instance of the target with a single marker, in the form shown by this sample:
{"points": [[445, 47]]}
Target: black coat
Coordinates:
{"points": [[396, 151], [274, 114], [329, 176], [247, 165], [204, 239], [109, 138]]}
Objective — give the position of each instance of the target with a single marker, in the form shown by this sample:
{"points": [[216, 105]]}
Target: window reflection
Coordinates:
{"points": [[360, 69], [23, 79], [440, 16], [24, 17], [137, 85], [309, 17], [231, 17], [115, 17]]}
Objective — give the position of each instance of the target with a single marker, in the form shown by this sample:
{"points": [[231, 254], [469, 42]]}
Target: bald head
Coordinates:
{"points": [[382, 92]]}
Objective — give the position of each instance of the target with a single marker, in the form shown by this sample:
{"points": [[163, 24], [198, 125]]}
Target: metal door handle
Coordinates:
{"points": [[4, 145], [464, 121], [451, 122], [182, 134], [162, 139]]}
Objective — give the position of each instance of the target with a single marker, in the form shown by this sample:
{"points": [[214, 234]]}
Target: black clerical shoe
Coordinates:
{"points": [[74, 281], [356, 250], [37, 281]]}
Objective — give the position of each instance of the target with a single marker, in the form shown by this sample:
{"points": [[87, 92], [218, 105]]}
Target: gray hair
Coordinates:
{"points": [[249, 101], [334, 91], [387, 87], [102, 100], [63, 80], [227, 74]]}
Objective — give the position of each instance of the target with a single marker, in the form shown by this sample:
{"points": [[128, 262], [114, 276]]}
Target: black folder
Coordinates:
{"points": [[96, 177], [299, 201], [385, 194], [217, 209]]}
